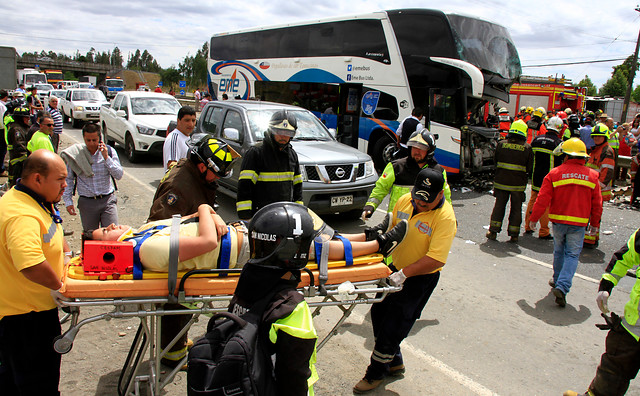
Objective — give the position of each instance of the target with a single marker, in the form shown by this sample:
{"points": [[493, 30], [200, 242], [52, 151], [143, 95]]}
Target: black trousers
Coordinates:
{"points": [[515, 213], [619, 364], [28, 363], [393, 318]]}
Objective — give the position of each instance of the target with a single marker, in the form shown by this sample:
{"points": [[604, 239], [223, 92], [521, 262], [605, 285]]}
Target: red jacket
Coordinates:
{"points": [[573, 193], [602, 159]]}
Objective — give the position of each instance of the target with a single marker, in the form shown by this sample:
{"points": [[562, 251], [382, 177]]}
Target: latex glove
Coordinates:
{"points": [[591, 230], [601, 300], [397, 278], [367, 211], [533, 225], [59, 298], [345, 289]]}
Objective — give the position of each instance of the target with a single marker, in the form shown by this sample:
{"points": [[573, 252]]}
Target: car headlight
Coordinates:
{"points": [[145, 130], [303, 173], [78, 108], [369, 169]]}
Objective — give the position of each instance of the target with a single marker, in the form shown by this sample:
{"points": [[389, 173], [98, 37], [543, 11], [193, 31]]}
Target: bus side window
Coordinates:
{"points": [[212, 119], [232, 122]]}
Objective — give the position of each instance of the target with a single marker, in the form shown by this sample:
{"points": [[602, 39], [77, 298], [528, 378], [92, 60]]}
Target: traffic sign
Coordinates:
{"points": [[182, 92], [160, 83], [183, 84]]}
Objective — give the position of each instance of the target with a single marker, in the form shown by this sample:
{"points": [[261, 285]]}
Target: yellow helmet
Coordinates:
{"points": [[519, 128], [540, 112], [600, 130], [575, 148], [529, 109]]}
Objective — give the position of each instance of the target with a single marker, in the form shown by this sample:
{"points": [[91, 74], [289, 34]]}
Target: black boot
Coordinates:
{"points": [[372, 233], [391, 239]]}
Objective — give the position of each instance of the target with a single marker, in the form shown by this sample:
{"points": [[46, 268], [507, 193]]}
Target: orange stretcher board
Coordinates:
{"points": [[76, 285]]}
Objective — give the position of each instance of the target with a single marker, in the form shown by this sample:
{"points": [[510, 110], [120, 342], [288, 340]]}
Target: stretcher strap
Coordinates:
{"points": [[225, 251], [174, 245], [322, 258], [348, 251], [137, 240]]}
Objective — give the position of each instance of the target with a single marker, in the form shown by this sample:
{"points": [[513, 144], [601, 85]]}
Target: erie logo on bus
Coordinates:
{"points": [[229, 84]]}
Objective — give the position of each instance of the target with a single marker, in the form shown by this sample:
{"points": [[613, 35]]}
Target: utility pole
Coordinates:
{"points": [[632, 76]]}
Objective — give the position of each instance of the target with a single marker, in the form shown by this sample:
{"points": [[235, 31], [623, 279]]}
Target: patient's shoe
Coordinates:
{"points": [[372, 233], [391, 239]]}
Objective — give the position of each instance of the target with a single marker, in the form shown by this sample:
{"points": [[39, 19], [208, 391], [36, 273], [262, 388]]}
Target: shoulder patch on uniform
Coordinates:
{"points": [[172, 199]]}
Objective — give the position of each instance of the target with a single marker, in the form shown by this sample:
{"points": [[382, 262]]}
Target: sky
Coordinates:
{"points": [[544, 32]]}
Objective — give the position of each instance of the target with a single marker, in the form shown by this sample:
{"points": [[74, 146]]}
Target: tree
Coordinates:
{"points": [[592, 90], [194, 68], [116, 57], [617, 84], [170, 77], [635, 95]]}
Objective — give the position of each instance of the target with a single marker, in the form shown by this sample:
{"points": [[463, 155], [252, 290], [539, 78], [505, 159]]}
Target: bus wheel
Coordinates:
{"points": [[383, 152]]}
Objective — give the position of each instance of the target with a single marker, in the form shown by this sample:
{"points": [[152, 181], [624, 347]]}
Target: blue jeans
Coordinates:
{"points": [[567, 245]]}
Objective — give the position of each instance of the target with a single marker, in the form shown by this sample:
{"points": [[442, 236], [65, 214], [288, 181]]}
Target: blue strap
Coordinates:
{"points": [[225, 251], [348, 251], [318, 249], [138, 239]]}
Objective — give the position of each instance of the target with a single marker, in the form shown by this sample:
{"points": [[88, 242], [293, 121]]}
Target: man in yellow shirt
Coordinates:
{"points": [[31, 260], [417, 262]]}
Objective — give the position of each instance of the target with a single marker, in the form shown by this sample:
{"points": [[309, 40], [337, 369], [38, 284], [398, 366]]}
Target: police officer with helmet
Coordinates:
{"points": [[270, 171]]}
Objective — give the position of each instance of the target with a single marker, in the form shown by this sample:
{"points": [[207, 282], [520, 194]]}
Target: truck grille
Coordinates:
{"points": [[333, 173], [92, 108]]}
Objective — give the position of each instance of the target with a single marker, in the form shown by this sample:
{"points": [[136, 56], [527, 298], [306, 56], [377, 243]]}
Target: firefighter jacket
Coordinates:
{"points": [[268, 174], [602, 160], [514, 161], [17, 142], [572, 193], [536, 128], [399, 177], [181, 191], [504, 124], [543, 158], [624, 259]]}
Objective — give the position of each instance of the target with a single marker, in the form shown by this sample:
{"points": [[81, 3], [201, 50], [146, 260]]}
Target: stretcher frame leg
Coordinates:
{"points": [[131, 365]]}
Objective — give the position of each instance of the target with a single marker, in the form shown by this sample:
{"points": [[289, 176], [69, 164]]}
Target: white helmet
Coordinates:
{"points": [[555, 123]]}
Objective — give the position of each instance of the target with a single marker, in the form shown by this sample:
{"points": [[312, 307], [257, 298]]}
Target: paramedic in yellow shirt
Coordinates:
{"points": [[417, 262]]}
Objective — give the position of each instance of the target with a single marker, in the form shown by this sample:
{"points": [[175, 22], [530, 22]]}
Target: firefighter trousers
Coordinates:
{"points": [[619, 364], [544, 219], [392, 320], [515, 213]]}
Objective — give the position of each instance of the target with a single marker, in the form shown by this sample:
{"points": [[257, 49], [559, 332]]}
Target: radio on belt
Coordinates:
{"points": [[107, 257]]}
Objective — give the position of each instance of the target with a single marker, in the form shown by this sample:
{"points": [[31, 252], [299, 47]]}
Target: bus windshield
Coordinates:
{"points": [[115, 83], [486, 45]]}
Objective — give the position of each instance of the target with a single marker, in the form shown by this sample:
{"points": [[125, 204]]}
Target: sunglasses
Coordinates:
{"points": [[47, 124]]}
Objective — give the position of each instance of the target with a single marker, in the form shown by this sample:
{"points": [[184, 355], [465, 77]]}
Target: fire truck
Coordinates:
{"points": [[552, 93]]}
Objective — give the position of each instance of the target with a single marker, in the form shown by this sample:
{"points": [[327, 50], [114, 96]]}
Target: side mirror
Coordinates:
{"points": [[436, 136], [106, 105], [231, 134], [121, 113], [332, 132]]}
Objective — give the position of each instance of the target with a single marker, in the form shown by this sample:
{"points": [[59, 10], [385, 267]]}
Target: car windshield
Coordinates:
{"points": [[44, 87], [91, 95], [115, 83], [155, 106], [58, 93], [309, 127]]}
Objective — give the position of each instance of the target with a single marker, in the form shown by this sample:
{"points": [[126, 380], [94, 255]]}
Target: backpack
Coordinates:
{"points": [[232, 358]]}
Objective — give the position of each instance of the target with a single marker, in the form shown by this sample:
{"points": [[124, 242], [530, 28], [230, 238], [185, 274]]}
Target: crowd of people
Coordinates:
{"points": [[563, 154]]}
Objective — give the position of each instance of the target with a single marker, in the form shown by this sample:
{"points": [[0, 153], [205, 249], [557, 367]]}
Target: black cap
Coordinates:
{"points": [[428, 185]]}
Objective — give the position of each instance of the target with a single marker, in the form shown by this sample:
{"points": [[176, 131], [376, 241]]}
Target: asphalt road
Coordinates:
{"points": [[491, 326]]}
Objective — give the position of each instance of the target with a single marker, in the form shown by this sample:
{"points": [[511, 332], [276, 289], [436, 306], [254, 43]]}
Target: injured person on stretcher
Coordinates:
{"points": [[202, 243]]}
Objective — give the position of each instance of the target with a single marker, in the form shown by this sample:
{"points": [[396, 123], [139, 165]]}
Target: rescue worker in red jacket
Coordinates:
{"points": [[514, 161], [504, 122], [543, 161], [602, 160], [521, 113], [571, 194], [536, 125]]}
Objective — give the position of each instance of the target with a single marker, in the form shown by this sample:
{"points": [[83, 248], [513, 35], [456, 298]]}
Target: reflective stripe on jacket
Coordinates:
{"points": [[572, 193], [543, 158], [514, 161], [602, 160]]}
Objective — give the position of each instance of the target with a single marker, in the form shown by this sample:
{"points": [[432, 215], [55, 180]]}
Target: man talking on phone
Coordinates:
{"points": [[92, 170]]}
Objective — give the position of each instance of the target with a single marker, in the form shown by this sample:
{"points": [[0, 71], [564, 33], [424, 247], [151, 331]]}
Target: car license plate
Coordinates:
{"points": [[342, 200]]}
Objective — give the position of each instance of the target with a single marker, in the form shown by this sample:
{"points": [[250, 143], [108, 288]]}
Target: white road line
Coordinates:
{"points": [[135, 179], [543, 264], [452, 373]]}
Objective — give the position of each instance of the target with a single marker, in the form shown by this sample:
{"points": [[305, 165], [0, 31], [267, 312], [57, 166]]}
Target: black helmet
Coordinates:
{"points": [[423, 140], [574, 121], [280, 235], [21, 112], [282, 122], [215, 154]]}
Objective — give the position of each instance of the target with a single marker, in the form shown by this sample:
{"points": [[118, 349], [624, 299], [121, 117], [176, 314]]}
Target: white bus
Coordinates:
{"points": [[364, 74]]}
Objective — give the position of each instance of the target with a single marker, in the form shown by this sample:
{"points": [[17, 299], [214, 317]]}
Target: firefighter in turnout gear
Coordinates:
{"points": [[536, 124], [504, 122], [619, 363], [270, 172], [602, 160], [543, 161], [17, 142], [514, 162], [400, 175]]}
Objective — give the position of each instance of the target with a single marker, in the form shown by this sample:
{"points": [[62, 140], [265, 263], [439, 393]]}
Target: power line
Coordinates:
{"points": [[577, 63], [113, 42]]}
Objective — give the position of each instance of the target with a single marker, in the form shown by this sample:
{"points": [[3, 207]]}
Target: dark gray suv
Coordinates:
{"points": [[337, 178]]}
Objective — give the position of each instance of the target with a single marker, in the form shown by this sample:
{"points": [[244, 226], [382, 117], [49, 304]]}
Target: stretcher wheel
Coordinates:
{"points": [[62, 344]]}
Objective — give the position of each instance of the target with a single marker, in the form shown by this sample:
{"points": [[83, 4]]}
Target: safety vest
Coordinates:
{"points": [[504, 124], [613, 141], [602, 160]]}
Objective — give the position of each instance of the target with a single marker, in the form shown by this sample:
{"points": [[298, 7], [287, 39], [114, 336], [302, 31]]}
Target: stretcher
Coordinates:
{"points": [[201, 292]]}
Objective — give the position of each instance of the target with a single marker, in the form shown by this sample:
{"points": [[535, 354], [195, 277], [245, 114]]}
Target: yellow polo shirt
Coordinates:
{"points": [[430, 233], [29, 236]]}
